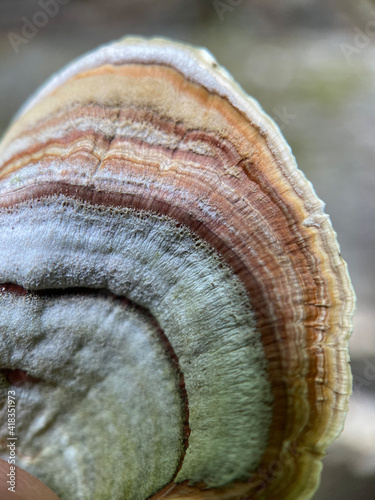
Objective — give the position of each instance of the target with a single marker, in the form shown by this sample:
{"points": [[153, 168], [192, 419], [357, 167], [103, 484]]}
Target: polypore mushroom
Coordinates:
{"points": [[174, 311]]}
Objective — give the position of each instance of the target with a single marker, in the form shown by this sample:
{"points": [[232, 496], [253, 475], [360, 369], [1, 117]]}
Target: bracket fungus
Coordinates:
{"points": [[174, 309]]}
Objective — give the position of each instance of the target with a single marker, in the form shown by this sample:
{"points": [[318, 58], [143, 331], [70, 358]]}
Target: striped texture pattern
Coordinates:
{"points": [[157, 127]]}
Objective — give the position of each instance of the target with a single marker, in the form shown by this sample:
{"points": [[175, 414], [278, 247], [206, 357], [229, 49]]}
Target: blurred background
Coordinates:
{"points": [[311, 65]]}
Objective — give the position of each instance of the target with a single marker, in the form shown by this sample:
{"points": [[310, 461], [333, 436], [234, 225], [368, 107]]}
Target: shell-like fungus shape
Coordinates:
{"points": [[175, 312]]}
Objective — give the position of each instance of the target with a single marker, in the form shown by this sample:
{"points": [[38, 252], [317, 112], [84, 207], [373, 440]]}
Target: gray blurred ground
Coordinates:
{"points": [[311, 64]]}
